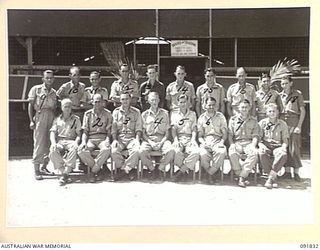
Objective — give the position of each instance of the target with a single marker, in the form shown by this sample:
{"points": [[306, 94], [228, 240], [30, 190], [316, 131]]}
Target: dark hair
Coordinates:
{"points": [[246, 101], [210, 98], [183, 97], [181, 67], [126, 93], [265, 75], [152, 66], [48, 71], [243, 68], [95, 73], [210, 70], [289, 78]]}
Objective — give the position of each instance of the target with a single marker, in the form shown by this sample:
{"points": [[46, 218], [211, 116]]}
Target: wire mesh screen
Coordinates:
{"points": [[145, 54], [252, 52], [223, 52], [265, 52], [17, 53], [68, 51]]}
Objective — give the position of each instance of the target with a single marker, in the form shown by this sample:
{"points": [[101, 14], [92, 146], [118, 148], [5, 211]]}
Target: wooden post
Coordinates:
{"points": [[236, 52], [134, 54], [158, 45], [29, 50], [210, 38]]}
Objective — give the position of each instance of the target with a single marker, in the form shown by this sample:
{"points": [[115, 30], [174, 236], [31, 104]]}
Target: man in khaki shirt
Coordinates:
{"points": [[239, 92], [75, 91], [155, 133], [212, 132], [210, 89], [42, 106], [96, 135], [293, 114], [184, 133], [274, 142], [243, 138], [65, 137], [95, 88], [124, 85], [126, 133], [265, 95], [180, 87]]}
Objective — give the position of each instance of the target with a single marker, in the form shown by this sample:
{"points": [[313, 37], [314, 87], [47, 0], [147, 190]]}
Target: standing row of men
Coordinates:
{"points": [[127, 127]]}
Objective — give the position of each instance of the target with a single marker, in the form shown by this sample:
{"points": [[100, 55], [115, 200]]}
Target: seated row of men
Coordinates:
{"points": [[43, 98], [140, 134]]}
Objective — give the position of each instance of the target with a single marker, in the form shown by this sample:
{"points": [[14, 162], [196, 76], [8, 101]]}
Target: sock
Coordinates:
{"points": [[288, 169]]}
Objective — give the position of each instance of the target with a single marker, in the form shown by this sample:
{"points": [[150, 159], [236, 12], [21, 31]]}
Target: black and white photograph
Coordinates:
{"points": [[159, 117]]}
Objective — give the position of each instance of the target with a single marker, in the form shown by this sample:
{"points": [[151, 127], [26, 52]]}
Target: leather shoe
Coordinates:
{"points": [[45, 171], [241, 182], [297, 177], [286, 175]]}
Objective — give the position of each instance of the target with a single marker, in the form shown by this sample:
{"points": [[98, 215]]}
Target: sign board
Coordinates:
{"points": [[184, 47]]}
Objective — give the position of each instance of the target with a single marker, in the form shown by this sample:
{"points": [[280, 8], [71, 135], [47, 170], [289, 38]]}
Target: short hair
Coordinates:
{"points": [[126, 93], [74, 67], [97, 95], [245, 101], [152, 66], [181, 67], [289, 78], [210, 70], [65, 101], [243, 68], [153, 94], [183, 97], [95, 73], [272, 105], [265, 75], [48, 71], [210, 98]]}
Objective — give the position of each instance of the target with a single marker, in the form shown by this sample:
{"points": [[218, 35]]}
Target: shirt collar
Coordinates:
{"points": [[123, 111], [275, 123], [213, 85], [290, 93], [155, 114], [183, 84], [188, 111], [210, 116], [45, 88]]}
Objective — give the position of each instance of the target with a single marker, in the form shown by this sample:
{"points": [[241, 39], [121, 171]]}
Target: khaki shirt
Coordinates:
{"points": [[174, 90], [264, 98], [67, 129], [99, 90], [241, 129], [237, 94], [292, 102], [216, 91], [212, 125], [97, 124], [126, 125], [42, 98], [155, 123], [77, 94], [274, 133], [117, 88], [184, 124]]}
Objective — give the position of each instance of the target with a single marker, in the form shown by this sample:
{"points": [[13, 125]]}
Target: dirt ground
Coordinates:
{"points": [[32, 203]]}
